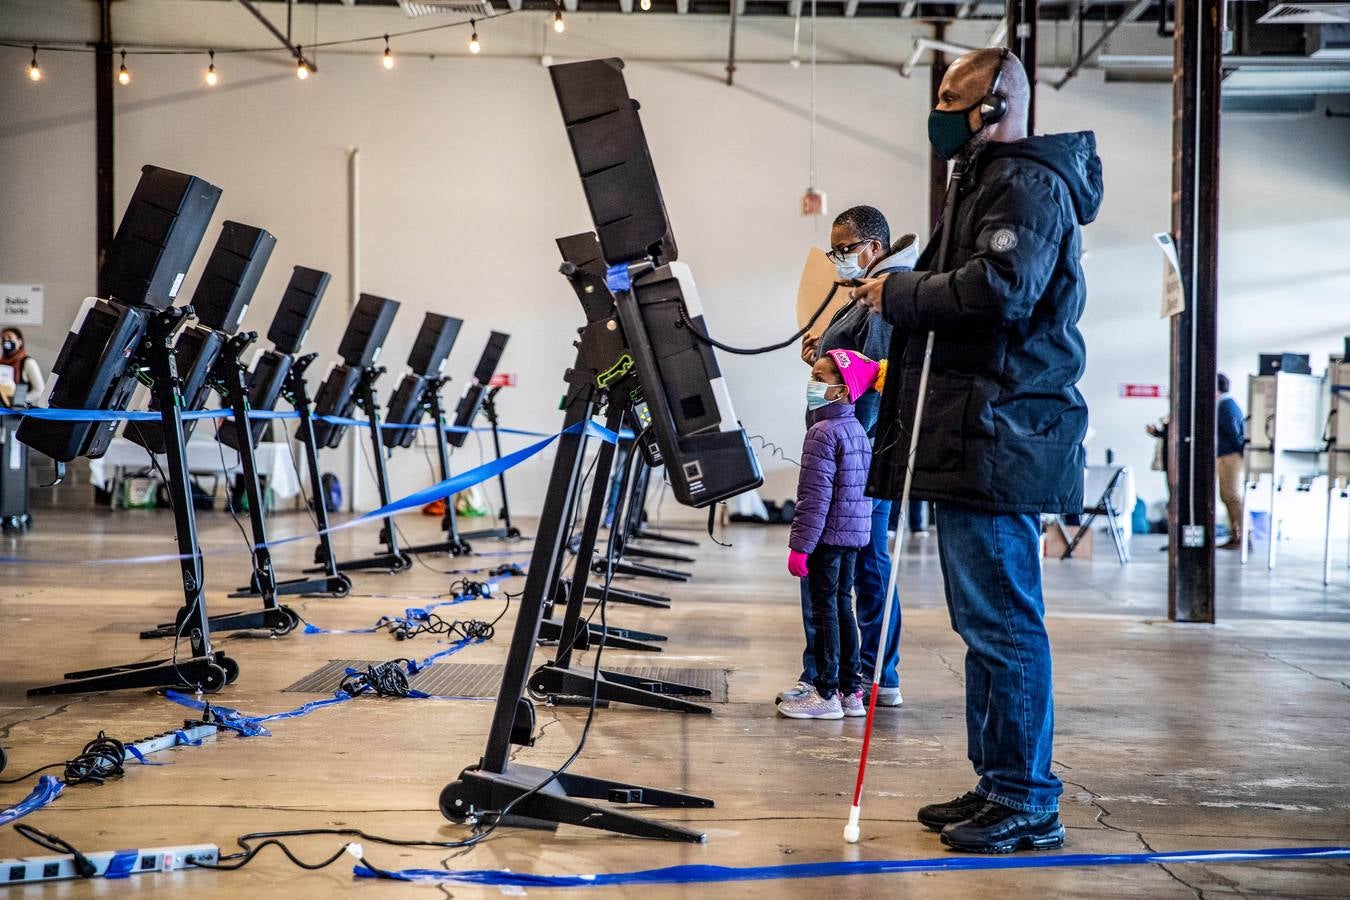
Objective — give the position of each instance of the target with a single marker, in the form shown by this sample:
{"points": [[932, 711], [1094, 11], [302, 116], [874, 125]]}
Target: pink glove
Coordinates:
{"points": [[797, 564]]}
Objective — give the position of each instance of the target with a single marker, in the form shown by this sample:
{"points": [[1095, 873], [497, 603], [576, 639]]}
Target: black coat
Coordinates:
{"points": [[1003, 422]]}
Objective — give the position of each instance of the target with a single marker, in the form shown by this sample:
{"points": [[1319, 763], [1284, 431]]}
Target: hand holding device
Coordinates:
{"points": [[869, 293]]}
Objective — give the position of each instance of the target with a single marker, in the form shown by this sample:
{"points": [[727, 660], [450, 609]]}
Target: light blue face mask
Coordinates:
{"points": [[815, 394]]}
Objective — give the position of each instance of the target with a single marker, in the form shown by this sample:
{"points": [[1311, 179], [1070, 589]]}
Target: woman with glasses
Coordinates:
{"points": [[860, 247]]}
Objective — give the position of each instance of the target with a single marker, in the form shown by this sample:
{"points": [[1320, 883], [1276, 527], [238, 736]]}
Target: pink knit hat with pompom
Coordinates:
{"points": [[859, 372]]}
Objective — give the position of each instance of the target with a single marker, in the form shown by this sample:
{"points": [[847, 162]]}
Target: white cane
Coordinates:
{"points": [[852, 830]]}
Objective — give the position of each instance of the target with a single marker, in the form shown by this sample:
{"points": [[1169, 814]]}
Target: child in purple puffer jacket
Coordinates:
{"points": [[833, 519]]}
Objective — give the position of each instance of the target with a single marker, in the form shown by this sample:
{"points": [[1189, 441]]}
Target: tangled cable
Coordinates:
{"points": [[416, 622], [465, 587], [388, 679], [101, 759]]}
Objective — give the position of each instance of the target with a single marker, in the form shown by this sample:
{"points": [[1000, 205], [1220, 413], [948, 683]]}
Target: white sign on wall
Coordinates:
{"points": [[1173, 297], [20, 304]]}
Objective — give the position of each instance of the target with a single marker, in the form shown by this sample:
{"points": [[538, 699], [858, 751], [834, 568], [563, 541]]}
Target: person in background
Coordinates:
{"points": [[1003, 425], [860, 247], [24, 371], [1231, 440], [831, 522], [1160, 431]]}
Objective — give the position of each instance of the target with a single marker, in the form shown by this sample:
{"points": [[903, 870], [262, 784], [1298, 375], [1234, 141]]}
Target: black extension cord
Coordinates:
{"points": [[755, 351]]}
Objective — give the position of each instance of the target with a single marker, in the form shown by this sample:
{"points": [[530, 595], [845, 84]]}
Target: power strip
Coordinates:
{"points": [[108, 864]]}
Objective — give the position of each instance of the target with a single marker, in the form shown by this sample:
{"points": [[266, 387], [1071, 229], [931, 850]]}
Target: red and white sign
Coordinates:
{"points": [[503, 379], [1149, 391]]}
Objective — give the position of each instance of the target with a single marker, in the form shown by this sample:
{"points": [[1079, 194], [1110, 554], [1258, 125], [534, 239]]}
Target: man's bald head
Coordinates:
{"points": [[969, 79]]}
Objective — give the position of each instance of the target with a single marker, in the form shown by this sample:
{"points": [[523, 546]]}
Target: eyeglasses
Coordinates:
{"points": [[837, 254]]}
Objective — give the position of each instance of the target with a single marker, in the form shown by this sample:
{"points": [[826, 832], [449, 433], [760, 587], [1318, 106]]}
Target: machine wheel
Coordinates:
{"points": [[292, 621], [404, 563], [230, 668], [213, 678], [454, 803], [344, 586]]}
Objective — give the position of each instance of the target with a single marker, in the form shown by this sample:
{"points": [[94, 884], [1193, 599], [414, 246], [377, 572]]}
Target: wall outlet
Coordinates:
{"points": [[1193, 536]]}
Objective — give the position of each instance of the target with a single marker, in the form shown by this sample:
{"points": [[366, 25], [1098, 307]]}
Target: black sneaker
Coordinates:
{"points": [[936, 816], [999, 829]]}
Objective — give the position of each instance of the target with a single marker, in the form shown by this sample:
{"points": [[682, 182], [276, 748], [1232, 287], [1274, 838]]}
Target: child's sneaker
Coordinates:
{"points": [[800, 689], [853, 705], [812, 706]]}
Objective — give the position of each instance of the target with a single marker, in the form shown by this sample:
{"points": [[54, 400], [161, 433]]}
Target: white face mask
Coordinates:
{"points": [[848, 268], [816, 394]]}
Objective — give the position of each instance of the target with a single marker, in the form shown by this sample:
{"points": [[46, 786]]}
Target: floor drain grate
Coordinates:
{"points": [[482, 680]]}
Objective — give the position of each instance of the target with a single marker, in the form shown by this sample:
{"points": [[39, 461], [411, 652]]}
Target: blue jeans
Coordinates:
{"points": [[835, 647], [991, 570], [871, 574]]}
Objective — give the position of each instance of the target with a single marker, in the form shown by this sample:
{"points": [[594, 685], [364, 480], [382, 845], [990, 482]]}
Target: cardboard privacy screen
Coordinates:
{"points": [[818, 276]]}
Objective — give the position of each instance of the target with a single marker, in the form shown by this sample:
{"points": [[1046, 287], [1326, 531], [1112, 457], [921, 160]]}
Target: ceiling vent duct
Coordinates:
{"points": [[1306, 13], [415, 8]]}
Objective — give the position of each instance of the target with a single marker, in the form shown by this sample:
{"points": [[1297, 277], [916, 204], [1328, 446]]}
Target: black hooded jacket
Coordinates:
{"points": [[1003, 422]]}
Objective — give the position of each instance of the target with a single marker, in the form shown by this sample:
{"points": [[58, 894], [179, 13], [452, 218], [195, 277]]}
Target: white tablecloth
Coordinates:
{"points": [[204, 458]]}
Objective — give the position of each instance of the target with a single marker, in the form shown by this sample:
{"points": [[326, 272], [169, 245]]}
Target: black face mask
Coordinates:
{"points": [[9, 347], [949, 131]]}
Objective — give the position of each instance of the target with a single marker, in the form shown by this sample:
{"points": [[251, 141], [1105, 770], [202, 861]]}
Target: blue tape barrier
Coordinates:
{"points": [[253, 726], [700, 874], [56, 414], [417, 499], [410, 615], [47, 789]]}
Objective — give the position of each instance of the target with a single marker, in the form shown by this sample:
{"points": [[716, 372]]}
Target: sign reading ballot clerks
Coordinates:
{"points": [[20, 304]]}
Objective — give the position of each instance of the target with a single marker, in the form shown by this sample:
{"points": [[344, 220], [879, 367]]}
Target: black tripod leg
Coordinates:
{"points": [[591, 788], [477, 792], [552, 681], [655, 685]]}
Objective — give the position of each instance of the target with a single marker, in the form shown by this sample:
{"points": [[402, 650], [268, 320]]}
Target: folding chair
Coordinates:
{"points": [[1104, 506]]}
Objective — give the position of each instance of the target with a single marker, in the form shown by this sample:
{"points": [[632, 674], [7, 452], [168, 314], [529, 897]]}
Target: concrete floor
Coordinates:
{"points": [[1169, 737]]}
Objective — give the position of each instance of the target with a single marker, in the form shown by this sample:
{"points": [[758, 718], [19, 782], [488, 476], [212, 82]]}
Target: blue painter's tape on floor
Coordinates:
{"points": [[722, 874], [48, 788]]}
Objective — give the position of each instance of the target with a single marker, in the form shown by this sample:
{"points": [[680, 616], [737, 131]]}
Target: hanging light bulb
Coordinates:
{"points": [[388, 54], [34, 70], [474, 46], [124, 74], [301, 66], [212, 79], [558, 24], [645, 4]]}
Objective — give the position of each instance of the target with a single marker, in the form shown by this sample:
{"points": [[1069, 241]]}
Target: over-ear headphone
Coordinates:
{"points": [[994, 106]]}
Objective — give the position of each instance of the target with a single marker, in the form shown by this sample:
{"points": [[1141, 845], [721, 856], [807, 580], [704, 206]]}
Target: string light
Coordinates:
{"points": [[124, 74], [558, 24], [388, 54], [301, 66], [34, 70], [474, 46], [212, 79]]}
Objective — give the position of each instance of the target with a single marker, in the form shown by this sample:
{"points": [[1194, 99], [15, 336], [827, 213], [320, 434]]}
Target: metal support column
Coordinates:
{"points": [[1195, 223], [1023, 19], [103, 139]]}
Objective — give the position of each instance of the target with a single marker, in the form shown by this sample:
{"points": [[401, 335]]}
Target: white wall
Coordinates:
{"points": [[466, 179]]}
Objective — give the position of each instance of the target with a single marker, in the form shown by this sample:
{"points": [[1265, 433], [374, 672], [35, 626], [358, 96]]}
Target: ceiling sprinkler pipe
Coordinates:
{"points": [[922, 44]]}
